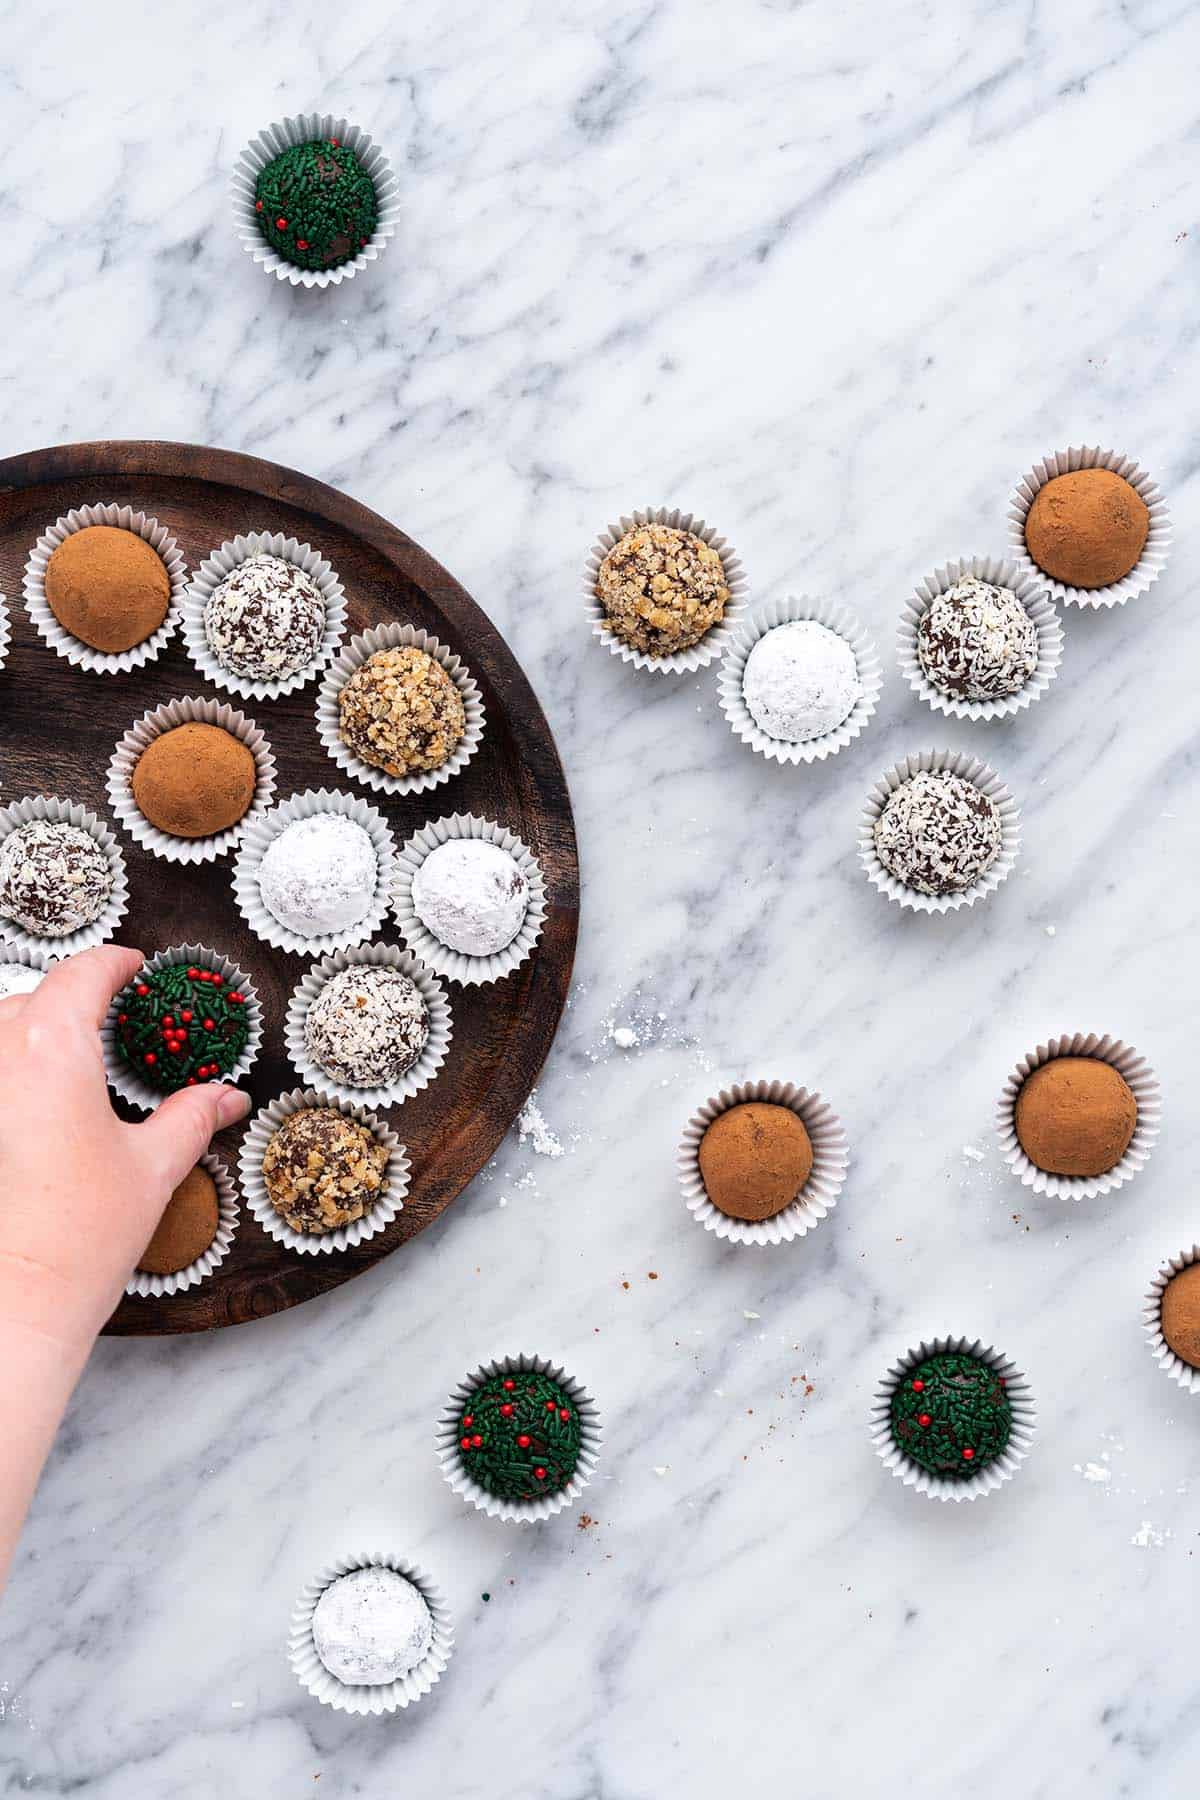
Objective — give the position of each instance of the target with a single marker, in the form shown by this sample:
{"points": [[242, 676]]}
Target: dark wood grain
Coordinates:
{"points": [[58, 727]]}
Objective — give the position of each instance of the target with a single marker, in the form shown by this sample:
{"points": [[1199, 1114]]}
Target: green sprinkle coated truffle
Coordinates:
{"points": [[519, 1436], [951, 1415], [180, 1025], [316, 204]]}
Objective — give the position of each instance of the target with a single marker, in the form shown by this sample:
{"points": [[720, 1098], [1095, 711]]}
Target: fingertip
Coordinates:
{"points": [[233, 1104]]}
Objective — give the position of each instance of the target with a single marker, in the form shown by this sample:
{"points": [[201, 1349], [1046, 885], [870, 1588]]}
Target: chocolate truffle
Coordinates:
{"points": [[266, 619], [938, 833], [367, 1026], [800, 681], [179, 1025], [319, 875], [187, 1227], [1181, 1314], [1075, 1115], [1087, 529], [195, 781], [316, 204], [977, 642], [371, 1626], [401, 712], [322, 1170], [471, 895], [662, 589], [108, 587], [16, 978], [951, 1415], [754, 1159], [54, 878], [519, 1436]]}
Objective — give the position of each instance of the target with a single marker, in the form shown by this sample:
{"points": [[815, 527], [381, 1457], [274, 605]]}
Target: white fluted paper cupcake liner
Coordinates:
{"points": [[397, 637], [145, 1286], [81, 655], [1184, 1373], [221, 564], [1155, 550], [5, 631], [1146, 1091], [792, 609], [1002, 1469], [25, 957], [427, 1065], [468, 971], [68, 812], [386, 1697], [263, 831], [190, 710], [283, 135], [969, 768], [716, 640], [388, 1202], [449, 1450], [121, 1077], [1029, 589], [816, 1199]]}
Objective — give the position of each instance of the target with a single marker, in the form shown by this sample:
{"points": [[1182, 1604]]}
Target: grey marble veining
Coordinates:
{"points": [[833, 277]]}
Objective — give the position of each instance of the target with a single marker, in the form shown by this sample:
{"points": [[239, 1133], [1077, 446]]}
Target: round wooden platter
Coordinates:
{"points": [[58, 728]]}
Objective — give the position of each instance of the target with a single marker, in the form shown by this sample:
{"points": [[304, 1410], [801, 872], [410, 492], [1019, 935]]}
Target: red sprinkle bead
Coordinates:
{"points": [[509, 1385], [968, 1454], [191, 1081], [465, 1442], [539, 1473], [235, 999], [193, 974], [563, 1414], [468, 1421], [550, 1406], [142, 989], [924, 1419], [523, 1441], [122, 1018], [175, 1047], [186, 1015], [281, 224], [217, 980], [918, 1387], [506, 1411], [477, 1442], [168, 1018], [334, 142], [258, 206], [210, 1024], [149, 1059], [302, 243]]}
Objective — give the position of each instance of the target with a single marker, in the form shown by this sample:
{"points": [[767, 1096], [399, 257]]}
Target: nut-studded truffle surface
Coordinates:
{"points": [[54, 878], [266, 619], [976, 641], [322, 1170], [662, 589], [401, 712], [938, 833], [367, 1026]]}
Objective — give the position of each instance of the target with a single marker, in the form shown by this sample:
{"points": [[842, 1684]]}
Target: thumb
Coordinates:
{"points": [[177, 1135]]}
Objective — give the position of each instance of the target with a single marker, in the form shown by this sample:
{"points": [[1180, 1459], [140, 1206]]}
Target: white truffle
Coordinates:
{"points": [[367, 1026], [471, 895], [800, 681], [371, 1626], [15, 978], [266, 619], [319, 874]]}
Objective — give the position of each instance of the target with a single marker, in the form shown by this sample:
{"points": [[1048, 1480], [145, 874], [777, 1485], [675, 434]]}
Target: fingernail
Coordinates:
{"points": [[232, 1106]]}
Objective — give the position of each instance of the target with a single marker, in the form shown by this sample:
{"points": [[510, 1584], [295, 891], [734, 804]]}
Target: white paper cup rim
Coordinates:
{"points": [[388, 1202], [969, 768], [1030, 591], [816, 1199], [716, 639], [73, 649], [449, 1452], [144, 1286], [1155, 550], [790, 610], [217, 566], [103, 927], [121, 1077], [188, 709], [1184, 1373], [1146, 1092], [455, 965], [263, 830], [428, 1064], [1002, 1469], [384, 1697], [5, 631]]}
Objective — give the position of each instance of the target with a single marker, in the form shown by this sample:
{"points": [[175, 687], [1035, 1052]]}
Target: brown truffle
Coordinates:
{"points": [[187, 1227], [108, 587], [195, 781], [1087, 529], [1075, 1116], [1181, 1314], [755, 1158]]}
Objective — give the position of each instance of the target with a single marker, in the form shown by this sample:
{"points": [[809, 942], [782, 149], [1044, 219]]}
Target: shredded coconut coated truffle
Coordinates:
{"points": [[54, 878], [938, 833], [367, 1026], [976, 641], [266, 620]]}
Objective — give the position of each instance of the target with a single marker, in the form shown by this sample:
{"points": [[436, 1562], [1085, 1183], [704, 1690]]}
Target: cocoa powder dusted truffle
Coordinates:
{"points": [[401, 712], [195, 781], [108, 587], [1075, 1115], [54, 878], [977, 642], [755, 1159], [322, 1170], [367, 1026], [1087, 529], [938, 833], [662, 589], [187, 1227], [1180, 1317], [266, 619]]}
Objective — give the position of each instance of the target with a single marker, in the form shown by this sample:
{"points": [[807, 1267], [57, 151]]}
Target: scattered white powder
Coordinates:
{"points": [[661, 1470], [974, 1154], [1050, 930], [1092, 1471], [624, 1037], [532, 1125], [1148, 1537], [751, 1315]]}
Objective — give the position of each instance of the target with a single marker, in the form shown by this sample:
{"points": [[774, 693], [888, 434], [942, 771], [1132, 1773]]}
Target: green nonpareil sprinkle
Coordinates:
{"points": [[951, 1414]]}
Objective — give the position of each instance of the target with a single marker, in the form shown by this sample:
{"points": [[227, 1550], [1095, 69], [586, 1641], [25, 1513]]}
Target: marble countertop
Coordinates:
{"points": [[833, 277]]}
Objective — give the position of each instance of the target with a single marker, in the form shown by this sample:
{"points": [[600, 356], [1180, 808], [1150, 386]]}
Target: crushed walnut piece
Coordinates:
{"points": [[662, 589], [322, 1170], [401, 712]]}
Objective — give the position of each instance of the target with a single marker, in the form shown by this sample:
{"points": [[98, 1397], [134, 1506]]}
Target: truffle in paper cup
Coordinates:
{"points": [[428, 1063], [994, 1474], [386, 1697], [20, 956], [283, 135], [145, 1286], [455, 965], [356, 653], [388, 1202], [1029, 590], [189, 711], [131, 1087], [969, 768], [263, 831], [454, 1466], [1150, 563], [103, 927], [716, 640], [81, 655], [795, 609], [816, 1199], [1146, 1092], [221, 564], [5, 631], [1184, 1373]]}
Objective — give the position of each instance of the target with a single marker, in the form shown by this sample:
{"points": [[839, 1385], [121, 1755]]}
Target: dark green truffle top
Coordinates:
{"points": [[951, 1415], [519, 1436], [179, 1026], [316, 204]]}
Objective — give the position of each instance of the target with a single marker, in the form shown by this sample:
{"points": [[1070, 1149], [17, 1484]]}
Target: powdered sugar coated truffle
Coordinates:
{"points": [[367, 1026], [319, 874], [977, 641], [472, 896], [15, 978], [266, 620], [371, 1626], [54, 878], [800, 681], [938, 833]]}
